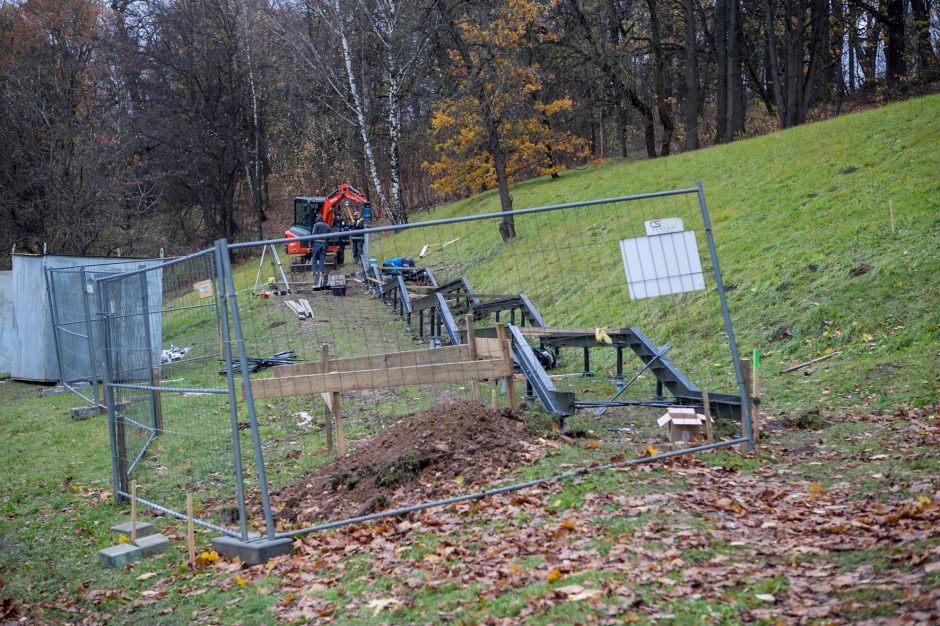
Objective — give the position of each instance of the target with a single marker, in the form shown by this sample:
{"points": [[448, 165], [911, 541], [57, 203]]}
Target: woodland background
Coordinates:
{"points": [[131, 126]]}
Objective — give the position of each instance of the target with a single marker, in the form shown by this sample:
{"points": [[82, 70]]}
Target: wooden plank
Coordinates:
{"points": [[328, 399], [338, 420], [707, 409], [380, 378], [507, 362], [472, 345], [486, 348], [306, 305]]}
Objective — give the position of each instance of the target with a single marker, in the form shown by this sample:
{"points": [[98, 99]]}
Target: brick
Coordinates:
{"points": [[153, 544], [119, 555], [143, 529]]}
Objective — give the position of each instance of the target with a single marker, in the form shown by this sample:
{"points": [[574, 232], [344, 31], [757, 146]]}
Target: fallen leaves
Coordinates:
{"points": [[381, 604], [554, 576], [206, 558]]}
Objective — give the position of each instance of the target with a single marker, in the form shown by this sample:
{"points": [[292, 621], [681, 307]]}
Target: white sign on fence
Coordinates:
{"points": [[662, 265], [663, 226]]}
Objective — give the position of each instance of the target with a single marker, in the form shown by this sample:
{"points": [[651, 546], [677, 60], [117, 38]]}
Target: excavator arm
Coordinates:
{"points": [[344, 192]]}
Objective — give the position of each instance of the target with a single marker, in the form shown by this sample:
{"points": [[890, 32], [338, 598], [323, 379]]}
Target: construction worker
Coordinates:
{"points": [[357, 224], [341, 225], [318, 249]]}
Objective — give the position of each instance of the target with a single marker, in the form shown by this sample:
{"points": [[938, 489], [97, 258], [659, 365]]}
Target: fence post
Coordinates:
{"points": [[743, 391], [232, 398], [50, 291], [231, 301], [118, 476], [156, 417], [89, 332]]}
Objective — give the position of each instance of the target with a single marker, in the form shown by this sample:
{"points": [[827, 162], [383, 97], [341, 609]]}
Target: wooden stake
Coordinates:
{"points": [[157, 403], [328, 401], [755, 397], [472, 343], [746, 375], [891, 214], [338, 419], [190, 528], [507, 358], [493, 401], [133, 511], [707, 409]]}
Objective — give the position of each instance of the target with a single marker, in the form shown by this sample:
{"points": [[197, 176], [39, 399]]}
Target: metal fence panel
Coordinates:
{"points": [[172, 421], [560, 284]]}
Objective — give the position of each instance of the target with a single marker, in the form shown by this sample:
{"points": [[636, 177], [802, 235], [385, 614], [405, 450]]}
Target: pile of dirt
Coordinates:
{"points": [[422, 457]]}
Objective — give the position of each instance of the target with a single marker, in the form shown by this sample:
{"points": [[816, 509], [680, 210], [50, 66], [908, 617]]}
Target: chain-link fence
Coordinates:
{"points": [[170, 389], [76, 332], [362, 389]]}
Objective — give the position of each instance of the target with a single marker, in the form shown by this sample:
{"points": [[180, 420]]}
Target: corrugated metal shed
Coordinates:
{"points": [[34, 352], [7, 334]]}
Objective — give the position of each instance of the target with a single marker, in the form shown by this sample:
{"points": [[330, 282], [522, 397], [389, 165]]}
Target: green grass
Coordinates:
{"points": [[818, 196]]}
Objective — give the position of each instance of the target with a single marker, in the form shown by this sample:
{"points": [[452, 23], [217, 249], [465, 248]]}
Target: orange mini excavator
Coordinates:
{"points": [[306, 208]]}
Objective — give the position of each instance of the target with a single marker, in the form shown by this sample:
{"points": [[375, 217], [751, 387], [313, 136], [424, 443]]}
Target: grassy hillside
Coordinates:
{"points": [[804, 236]]}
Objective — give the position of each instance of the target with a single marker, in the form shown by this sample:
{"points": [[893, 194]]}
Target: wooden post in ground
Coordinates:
{"points": [[157, 403], [472, 343], [133, 511], [494, 403], [190, 528], [746, 375], [328, 401], [338, 419], [507, 357], [755, 396], [707, 409]]}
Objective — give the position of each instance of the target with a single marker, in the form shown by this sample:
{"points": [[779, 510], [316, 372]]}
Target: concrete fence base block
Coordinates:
{"points": [[253, 551], [52, 391], [153, 544], [86, 412], [144, 529], [119, 555]]}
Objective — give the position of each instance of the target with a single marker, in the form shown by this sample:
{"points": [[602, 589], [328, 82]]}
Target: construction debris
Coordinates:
{"points": [[256, 364], [174, 354], [301, 308]]}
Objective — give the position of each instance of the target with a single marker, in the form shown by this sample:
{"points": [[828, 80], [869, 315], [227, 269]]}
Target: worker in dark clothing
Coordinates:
{"points": [[341, 225], [357, 240], [318, 249]]}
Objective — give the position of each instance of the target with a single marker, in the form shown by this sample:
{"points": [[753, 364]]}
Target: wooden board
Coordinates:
{"points": [[339, 381], [486, 348]]}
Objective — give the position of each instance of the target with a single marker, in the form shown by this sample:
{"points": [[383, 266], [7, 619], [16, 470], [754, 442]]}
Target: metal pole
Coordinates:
{"points": [[50, 291], [89, 331], [231, 301], [509, 488], [145, 299], [729, 329], [232, 398], [104, 325]]}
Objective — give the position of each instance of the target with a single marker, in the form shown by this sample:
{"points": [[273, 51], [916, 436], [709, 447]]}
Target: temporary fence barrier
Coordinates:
{"points": [[605, 313]]}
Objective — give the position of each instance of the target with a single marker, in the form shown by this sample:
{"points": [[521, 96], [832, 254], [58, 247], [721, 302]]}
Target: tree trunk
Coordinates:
{"points": [[895, 63], [359, 110], [920, 18], [507, 226], [735, 71], [721, 94], [659, 82], [690, 105]]}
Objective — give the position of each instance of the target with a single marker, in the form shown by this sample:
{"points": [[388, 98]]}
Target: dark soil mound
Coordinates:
{"points": [[424, 456]]}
